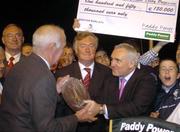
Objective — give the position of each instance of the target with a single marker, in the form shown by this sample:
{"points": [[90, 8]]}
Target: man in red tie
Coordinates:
{"points": [[86, 80], [12, 38], [93, 75]]}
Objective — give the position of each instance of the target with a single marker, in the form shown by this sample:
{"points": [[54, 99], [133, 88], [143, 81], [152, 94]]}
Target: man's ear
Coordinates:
{"points": [[3, 40], [178, 76], [52, 45]]}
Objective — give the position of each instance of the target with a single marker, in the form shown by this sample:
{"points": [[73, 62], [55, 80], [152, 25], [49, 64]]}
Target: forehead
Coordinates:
{"points": [[87, 40], [27, 47], [100, 53], [68, 50], [12, 29], [167, 63], [119, 53]]}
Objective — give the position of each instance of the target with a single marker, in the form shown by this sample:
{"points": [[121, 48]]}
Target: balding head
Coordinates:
{"points": [[48, 42]]}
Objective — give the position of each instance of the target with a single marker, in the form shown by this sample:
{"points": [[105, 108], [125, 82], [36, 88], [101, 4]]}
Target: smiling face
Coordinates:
{"points": [[85, 45], [168, 72], [120, 64], [86, 50], [12, 38]]}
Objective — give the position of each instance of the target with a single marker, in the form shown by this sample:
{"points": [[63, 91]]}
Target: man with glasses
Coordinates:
{"points": [[12, 38]]}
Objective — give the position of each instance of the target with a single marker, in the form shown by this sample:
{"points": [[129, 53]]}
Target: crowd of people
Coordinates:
{"points": [[126, 84]]}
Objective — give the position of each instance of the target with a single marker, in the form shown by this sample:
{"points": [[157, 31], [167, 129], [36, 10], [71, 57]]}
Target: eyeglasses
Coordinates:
{"points": [[18, 35], [173, 69]]}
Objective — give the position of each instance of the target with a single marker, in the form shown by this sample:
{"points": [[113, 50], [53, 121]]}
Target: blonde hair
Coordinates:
{"points": [[82, 35]]}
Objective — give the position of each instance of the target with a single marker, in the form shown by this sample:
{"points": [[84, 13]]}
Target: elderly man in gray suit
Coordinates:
{"points": [[31, 93]]}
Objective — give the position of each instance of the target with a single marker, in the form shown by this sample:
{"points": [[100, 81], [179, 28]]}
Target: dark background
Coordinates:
{"points": [[31, 14]]}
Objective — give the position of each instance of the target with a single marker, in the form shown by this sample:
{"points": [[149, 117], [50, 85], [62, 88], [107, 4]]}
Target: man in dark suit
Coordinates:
{"points": [[30, 91], [134, 89], [12, 38], [85, 45]]}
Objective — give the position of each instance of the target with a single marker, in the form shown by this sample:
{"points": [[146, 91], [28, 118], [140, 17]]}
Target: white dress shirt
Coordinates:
{"points": [[16, 57], [83, 71]]}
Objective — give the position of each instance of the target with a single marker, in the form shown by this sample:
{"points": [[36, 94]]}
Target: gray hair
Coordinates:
{"points": [[132, 55], [47, 34]]}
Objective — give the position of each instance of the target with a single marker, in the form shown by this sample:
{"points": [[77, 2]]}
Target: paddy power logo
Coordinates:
{"points": [[138, 126]]}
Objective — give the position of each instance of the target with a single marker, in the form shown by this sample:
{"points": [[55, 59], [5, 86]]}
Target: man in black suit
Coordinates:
{"points": [[12, 38], [136, 95], [30, 91], [85, 45]]}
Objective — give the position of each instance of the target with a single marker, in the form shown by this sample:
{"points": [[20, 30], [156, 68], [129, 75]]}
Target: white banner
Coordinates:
{"points": [[145, 19]]}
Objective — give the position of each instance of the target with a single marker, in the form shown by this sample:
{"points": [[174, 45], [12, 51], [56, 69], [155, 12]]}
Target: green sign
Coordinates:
{"points": [[155, 35]]}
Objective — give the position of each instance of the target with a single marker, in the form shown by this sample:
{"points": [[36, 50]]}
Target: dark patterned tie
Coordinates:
{"points": [[11, 64], [87, 78]]}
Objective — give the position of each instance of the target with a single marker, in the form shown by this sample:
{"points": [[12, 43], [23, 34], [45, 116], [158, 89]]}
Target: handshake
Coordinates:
{"points": [[89, 111]]}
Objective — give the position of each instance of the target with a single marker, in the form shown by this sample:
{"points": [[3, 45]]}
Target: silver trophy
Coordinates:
{"points": [[74, 93]]}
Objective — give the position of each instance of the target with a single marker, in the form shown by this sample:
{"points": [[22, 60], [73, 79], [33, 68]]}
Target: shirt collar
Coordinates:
{"points": [[83, 66], [16, 57], [128, 76], [167, 89], [45, 61]]}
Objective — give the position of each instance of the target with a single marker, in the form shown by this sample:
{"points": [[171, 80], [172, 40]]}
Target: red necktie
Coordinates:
{"points": [[87, 78], [121, 86], [11, 64]]}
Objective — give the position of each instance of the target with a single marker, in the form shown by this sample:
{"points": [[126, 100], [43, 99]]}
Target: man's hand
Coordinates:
{"points": [[93, 107], [154, 114], [60, 82], [76, 24], [84, 116]]}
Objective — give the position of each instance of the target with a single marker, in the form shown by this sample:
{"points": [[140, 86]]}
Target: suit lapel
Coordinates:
{"points": [[94, 80], [77, 71]]}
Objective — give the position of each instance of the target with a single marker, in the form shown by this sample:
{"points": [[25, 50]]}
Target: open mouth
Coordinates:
{"points": [[167, 78]]}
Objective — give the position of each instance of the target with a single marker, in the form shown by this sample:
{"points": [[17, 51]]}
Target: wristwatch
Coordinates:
{"points": [[102, 109]]}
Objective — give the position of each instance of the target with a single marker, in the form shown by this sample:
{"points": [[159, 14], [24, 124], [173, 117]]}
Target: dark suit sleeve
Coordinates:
{"points": [[138, 102], [43, 100]]}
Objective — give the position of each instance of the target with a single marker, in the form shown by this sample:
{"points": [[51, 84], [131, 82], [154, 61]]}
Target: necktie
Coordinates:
{"points": [[121, 86], [11, 64], [87, 78]]}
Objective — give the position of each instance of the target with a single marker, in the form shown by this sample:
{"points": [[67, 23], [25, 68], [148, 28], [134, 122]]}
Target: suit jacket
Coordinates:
{"points": [[29, 100], [137, 97], [96, 89]]}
